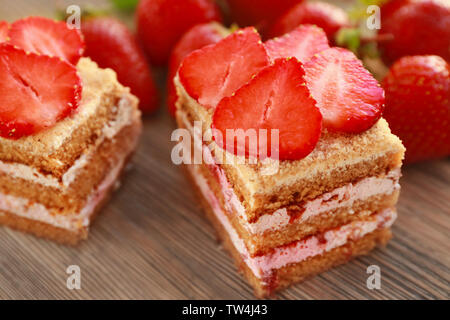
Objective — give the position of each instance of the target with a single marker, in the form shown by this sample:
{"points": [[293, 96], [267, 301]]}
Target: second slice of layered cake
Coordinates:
{"points": [[67, 130], [53, 182], [330, 194]]}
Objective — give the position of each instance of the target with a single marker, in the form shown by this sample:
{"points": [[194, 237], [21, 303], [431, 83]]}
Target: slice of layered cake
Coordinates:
{"points": [[66, 134], [319, 191]]}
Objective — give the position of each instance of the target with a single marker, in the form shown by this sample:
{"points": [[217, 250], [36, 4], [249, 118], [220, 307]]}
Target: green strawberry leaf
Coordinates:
{"points": [[125, 5]]}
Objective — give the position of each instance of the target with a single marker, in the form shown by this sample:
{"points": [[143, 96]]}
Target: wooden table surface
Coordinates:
{"points": [[152, 241]]}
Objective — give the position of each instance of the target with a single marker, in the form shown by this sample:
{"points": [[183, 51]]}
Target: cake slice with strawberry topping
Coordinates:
{"points": [[67, 129], [319, 193]]}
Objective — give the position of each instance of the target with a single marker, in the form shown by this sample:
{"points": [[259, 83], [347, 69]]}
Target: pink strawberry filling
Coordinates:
{"points": [[298, 251]]}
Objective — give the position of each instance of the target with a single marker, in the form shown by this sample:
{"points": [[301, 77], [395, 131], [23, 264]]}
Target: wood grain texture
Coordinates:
{"points": [[152, 241]]}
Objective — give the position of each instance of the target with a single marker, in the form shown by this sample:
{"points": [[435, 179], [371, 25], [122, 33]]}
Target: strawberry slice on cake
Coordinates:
{"points": [[275, 99], [36, 91], [302, 43], [48, 37], [349, 97], [217, 71]]}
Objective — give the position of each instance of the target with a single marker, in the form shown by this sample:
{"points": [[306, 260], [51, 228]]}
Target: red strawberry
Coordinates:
{"points": [[45, 36], [302, 43], [276, 99], [348, 96], [218, 70], [418, 27], [418, 105], [197, 37], [111, 45], [36, 91], [259, 12], [4, 28], [391, 6], [161, 23], [327, 16]]}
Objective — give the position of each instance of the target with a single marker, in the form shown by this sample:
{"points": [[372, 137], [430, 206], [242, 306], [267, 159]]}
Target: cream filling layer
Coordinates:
{"points": [[123, 118], [36, 211], [312, 246], [338, 198], [342, 197]]}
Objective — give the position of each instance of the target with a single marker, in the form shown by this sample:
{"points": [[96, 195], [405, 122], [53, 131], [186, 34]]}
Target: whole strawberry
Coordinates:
{"points": [[196, 38], [418, 105], [161, 23], [326, 16], [111, 45], [417, 27], [260, 13]]}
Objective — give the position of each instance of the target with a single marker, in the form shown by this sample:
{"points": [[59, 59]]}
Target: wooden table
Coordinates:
{"points": [[152, 242]]}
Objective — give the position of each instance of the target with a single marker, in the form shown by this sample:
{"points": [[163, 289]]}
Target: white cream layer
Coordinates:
{"points": [[36, 211], [262, 266], [124, 117]]}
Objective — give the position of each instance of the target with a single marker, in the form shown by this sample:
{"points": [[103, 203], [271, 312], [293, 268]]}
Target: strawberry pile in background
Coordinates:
{"points": [[413, 42]]}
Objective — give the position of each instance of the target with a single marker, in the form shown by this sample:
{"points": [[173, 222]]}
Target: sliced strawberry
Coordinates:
{"points": [[348, 96], [36, 91], [277, 98], [301, 43], [197, 37], [325, 15], [218, 70], [48, 37], [4, 28]]}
